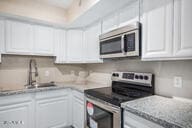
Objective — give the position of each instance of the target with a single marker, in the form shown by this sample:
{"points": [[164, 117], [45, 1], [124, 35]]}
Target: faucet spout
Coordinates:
{"points": [[30, 77]]}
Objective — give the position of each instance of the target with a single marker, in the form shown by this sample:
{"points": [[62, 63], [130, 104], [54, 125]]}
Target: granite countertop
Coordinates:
{"points": [[167, 112], [59, 85]]}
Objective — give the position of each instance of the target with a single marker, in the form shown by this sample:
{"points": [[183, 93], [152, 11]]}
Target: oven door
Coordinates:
{"points": [[112, 47], [100, 115]]}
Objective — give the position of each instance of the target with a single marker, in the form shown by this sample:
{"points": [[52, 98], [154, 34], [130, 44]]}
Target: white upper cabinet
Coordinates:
{"points": [[91, 39], [27, 39], [75, 46], [183, 28], [60, 45], [125, 15], [157, 21], [43, 40], [19, 37], [2, 37], [110, 23], [129, 14]]}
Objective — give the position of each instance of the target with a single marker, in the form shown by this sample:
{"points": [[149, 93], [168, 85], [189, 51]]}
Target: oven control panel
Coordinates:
{"points": [[142, 78]]}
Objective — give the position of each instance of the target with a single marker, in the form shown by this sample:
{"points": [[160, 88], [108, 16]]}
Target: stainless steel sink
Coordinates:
{"points": [[42, 85]]}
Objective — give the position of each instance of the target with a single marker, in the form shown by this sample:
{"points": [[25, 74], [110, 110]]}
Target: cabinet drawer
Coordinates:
{"points": [[53, 93], [78, 95], [14, 99], [134, 121]]}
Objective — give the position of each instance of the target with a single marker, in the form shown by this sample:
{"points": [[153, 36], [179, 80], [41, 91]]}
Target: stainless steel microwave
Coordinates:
{"points": [[121, 42]]}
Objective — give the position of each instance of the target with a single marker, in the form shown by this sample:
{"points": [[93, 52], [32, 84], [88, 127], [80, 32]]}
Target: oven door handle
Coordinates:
{"points": [[108, 107], [122, 43]]}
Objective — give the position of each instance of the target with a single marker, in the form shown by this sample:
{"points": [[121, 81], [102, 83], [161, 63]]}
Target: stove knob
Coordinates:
{"points": [[136, 77], [141, 77], [115, 75], [146, 77]]}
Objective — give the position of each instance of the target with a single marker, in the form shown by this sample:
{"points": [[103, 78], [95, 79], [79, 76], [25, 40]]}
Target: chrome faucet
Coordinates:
{"points": [[32, 82]]}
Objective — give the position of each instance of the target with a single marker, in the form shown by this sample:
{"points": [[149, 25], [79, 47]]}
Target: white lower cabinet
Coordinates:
{"points": [[46, 109], [78, 110], [16, 111], [52, 109], [134, 121]]}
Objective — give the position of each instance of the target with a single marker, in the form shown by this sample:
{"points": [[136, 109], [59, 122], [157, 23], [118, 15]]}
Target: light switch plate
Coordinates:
{"points": [[178, 82]]}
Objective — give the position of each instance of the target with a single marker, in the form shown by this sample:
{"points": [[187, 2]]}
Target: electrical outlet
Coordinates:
{"points": [[178, 82]]}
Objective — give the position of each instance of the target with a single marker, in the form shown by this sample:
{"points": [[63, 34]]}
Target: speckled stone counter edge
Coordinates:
{"points": [[151, 118], [16, 92]]}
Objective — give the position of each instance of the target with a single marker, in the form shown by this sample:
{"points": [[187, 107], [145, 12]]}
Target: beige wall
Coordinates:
{"points": [[164, 73], [34, 10], [14, 70]]}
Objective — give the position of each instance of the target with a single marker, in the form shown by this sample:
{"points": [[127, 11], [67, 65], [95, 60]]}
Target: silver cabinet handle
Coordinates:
{"points": [[122, 43]]}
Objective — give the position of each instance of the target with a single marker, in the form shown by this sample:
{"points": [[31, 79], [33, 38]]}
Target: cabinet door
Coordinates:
{"points": [[134, 121], [157, 20], [19, 37], [91, 38], [183, 28], [78, 110], [75, 46], [52, 109], [43, 40], [110, 23], [16, 112], [60, 45], [129, 14], [2, 37]]}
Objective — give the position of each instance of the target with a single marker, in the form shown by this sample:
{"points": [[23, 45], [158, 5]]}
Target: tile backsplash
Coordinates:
{"points": [[14, 72], [164, 72]]}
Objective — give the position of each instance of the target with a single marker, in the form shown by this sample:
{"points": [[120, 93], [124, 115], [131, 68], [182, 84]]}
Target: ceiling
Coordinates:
{"points": [[65, 4]]}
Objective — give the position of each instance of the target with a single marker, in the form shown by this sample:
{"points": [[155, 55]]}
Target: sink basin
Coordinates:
{"points": [[42, 85]]}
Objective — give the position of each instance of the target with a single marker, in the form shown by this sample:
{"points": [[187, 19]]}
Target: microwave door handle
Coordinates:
{"points": [[122, 44]]}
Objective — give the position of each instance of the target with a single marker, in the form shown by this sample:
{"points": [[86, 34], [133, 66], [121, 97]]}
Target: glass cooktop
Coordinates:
{"points": [[116, 96]]}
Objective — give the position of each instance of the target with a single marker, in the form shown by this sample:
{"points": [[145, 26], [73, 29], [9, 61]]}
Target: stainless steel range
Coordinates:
{"points": [[103, 104]]}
